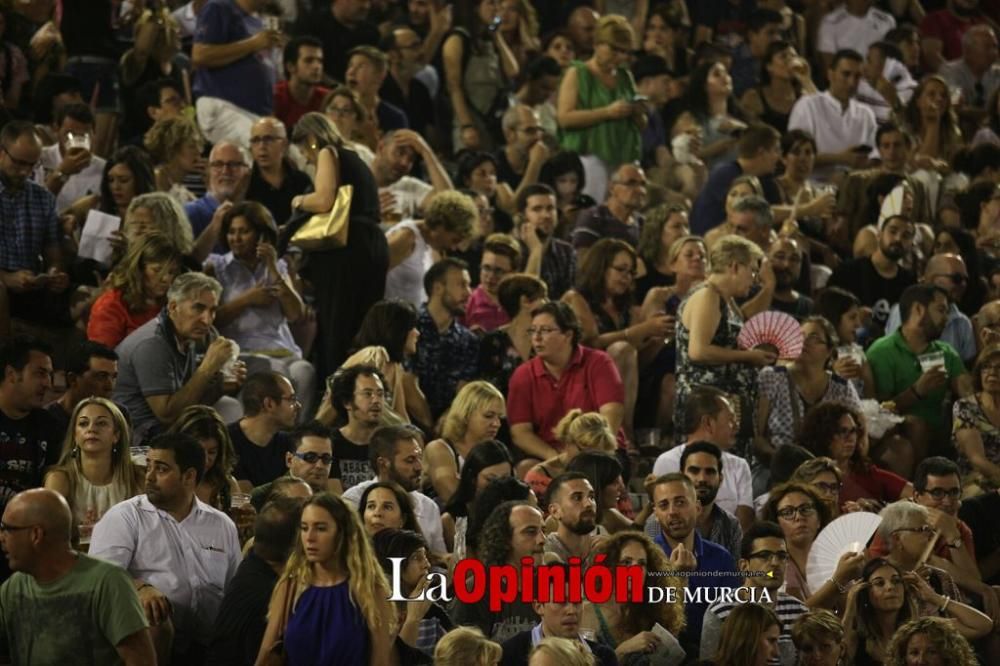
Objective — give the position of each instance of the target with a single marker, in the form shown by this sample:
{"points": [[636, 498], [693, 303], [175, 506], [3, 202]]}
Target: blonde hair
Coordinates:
{"points": [[587, 430], [166, 137], [563, 651], [614, 30], [466, 646], [730, 250], [454, 212], [675, 248], [169, 219], [471, 398], [128, 274], [319, 127]]}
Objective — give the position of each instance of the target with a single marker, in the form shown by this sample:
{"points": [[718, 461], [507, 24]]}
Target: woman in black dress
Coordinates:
{"points": [[346, 281]]}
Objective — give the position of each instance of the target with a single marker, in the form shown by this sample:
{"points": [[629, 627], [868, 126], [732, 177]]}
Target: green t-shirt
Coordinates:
{"points": [[896, 368], [78, 619]]}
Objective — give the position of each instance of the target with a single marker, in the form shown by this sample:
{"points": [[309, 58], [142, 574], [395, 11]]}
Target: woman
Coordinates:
{"points": [[784, 78], [475, 416], [819, 638], [559, 46], [345, 110], [384, 504], [710, 100], [823, 474], [932, 120], [977, 425], [627, 628], [413, 244], [519, 26], [137, 289], [175, 145], [346, 281], [478, 63], [709, 322], [335, 591], [749, 637], [564, 173], [217, 485], [929, 641], [664, 225], [127, 174], [157, 212], [259, 299], [563, 651], [843, 309], [798, 152], [598, 117], [502, 350], [577, 431], [486, 461], [838, 431], [664, 36], [876, 606], [786, 393], [604, 471], [95, 469], [476, 171], [466, 646]]}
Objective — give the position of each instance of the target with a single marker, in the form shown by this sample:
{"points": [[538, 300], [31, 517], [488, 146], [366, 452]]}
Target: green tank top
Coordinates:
{"points": [[614, 141]]}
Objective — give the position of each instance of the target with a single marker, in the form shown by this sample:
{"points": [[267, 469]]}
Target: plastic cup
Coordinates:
{"points": [[239, 500], [930, 361]]}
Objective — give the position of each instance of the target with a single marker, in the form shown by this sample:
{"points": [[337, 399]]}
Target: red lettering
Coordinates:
{"points": [[597, 582], [465, 570], [527, 579], [502, 594], [551, 577], [574, 580], [629, 584]]}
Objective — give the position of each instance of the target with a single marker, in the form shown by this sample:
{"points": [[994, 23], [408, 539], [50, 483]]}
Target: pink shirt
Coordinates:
{"points": [[483, 312]]}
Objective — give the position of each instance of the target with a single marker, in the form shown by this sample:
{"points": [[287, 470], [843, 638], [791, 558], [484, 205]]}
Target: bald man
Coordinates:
{"points": [[581, 25], [947, 271], [987, 324], [274, 180], [61, 606]]}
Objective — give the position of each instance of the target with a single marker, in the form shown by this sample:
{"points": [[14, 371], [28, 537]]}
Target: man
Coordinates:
{"points": [[309, 457], [886, 83], [941, 31], [540, 84], [232, 55], [559, 619], [844, 129], [758, 154], [395, 155], [447, 352], [764, 556], [402, 88], [702, 463], [341, 25], [898, 370], [260, 440], [977, 72], [653, 80], [675, 505], [30, 229], [987, 325], [581, 25], [549, 258], [160, 372], [92, 613], [855, 25], [274, 180], [156, 100], [501, 257], [619, 216], [763, 27], [572, 502], [562, 375], [878, 281], [357, 391], [512, 532], [367, 68], [69, 169], [520, 161], [396, 454], [227, 182], [301, 91], [786, 262], [242, 618], [948, 272], [91, 370]]}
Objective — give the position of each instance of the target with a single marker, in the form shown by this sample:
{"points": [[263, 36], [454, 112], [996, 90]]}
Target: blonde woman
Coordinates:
{"points": [[578, 431], [749, 637], [175, 144], [339, 608], [95, 470], [217, 484], [475, 416], [466, 646], [153, 212], [554, 651]]}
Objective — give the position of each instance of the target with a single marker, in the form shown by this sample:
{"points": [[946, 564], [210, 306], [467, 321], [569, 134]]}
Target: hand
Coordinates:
{"points": [[234, 378], [217, 355], [297, 201], [682, 559], [416, 608], [74, 161], [760, 357], [921, 588], [671, 326], [767, 279], [539, 152], [944, 524], [529, 234], [619, 109], [155, 603], [469, 137], [657, 326], [854, 591], [261, 295], [21, 281], [644, 641], [410, 139], [219, 214], [244, 516], [267, 253], [931, 381], [847, 368], [821, 206], [269, 39], [387, 203], [58, 281], [849, 567], [729, 125]]}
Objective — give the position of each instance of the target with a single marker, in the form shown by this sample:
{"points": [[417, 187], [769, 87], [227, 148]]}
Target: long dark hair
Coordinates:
{"points": [[138, 162], [590, 278], [387, 324], [696, 99], [402, 498], [486, 454], [601, 469]]}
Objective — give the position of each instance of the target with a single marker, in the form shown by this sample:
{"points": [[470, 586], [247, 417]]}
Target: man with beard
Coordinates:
{"points": [[573, 504], [309, 458], [357, 392], [91, 369], [228, 179], [619, 216], [878, 281], [395, 155], [301, 92], [260, 438], [447, 352], [179, 551], [521, 160], [549, 258], [702, 463], [786, 262], [948, 272], [676, 506], [396, 454], [917, 383]]}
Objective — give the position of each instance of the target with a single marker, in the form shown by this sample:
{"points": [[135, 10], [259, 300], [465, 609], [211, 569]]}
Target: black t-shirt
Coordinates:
{"points": [[242, 618], [337, 38], [859, 277], [258, 464], [278, 200], [417, 103], [58, 418], [351, 459], [505, 172]]}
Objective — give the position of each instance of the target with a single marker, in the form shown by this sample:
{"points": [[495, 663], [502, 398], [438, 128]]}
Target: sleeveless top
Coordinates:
{"points": [[326, 629], [406, 281], [614, 141], [90, 502], [772, 116], [605, 322]]}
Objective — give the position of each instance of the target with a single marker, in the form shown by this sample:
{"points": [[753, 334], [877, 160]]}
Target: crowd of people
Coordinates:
{"points": [[305, 302]]}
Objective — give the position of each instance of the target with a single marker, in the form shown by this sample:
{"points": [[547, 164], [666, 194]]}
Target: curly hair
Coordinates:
{"points": [[732, 249], [818, 426], [453, 212], [128, 276], [562, 651], [642, 616], [650, 246], [942, 634], [494, 538], [498, 491], [168, 218], [167, 137], [204, 423], [466, 646], [779, 492]]}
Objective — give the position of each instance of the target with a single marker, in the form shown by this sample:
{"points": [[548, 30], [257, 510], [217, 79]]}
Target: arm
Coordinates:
{"points": [[288, 296], [275, 612], [454, 73], [970, 443], [440, 465], [168, 407], [212, 56], [933, 52], [416, 401], [703, 310], [137, 649], [567, 115], [401, 245], [524, 437], [508, 61], [326, 184], [971, 623], [962, 385], [614, 413], [58, 481]]}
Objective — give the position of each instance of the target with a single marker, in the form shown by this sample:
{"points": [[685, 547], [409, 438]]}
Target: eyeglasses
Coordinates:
{"points": [[624, 270], [829, 488], [941, 493], [341, 110], [923, 529], [816, 340], [24, 164], [847, 432], [312, 457], [779, 555], [804, 510], [267, 140], [5, 528], [293, 399], [493, 270], [219, 166], [368, 394], [542, 330], [992, 369], [954, 277], [632, 182]]}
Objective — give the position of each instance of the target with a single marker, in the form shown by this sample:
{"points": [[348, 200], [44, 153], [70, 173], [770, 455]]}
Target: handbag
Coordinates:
{"points": [[275, 655], [327, 231]]}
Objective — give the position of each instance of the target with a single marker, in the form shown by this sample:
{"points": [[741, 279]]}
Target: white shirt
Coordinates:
{"points": [[424, 508], [87, 181], [405, 281], [190, 561], [737, 487], [834, 129], [842, 30], [895, 73], [410, 194]]}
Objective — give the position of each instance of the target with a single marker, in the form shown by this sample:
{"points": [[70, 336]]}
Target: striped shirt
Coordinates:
{"points": [[787, 608]]}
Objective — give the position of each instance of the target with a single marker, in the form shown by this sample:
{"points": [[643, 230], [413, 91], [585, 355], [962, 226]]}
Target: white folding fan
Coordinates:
{"points": [[773, 329], [848, 534]]}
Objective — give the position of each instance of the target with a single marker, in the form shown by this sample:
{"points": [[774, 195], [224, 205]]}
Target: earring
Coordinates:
{"points": [[75, 452], [114, 450]]}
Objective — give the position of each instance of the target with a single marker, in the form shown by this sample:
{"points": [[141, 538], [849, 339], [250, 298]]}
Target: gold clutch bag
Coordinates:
{"points": [[327, 231]]}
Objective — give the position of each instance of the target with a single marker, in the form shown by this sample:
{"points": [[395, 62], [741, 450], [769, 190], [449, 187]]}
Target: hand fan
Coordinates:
{"points": [[849, 533], [773, 328]]}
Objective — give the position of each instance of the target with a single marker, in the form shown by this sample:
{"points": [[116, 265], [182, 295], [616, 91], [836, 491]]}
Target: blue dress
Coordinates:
{"points": [[326, 629]]}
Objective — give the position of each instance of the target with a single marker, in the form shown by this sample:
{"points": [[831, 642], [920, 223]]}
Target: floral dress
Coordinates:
{"points": [[969, 414]]}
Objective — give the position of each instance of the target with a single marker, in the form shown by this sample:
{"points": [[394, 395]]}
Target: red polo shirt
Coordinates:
{"points": [[536, 397], [288, 111]]}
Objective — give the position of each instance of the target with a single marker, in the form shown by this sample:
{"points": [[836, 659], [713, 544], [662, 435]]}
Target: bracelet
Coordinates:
{"points": [[944, 606], [840, 587]]}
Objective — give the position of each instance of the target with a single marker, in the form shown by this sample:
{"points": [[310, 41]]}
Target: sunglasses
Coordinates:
{"points": [[312, 457]]}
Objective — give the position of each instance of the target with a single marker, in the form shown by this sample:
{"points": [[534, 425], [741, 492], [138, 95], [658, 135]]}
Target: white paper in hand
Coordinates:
{"points": [[95, 241], [670, 652]]}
